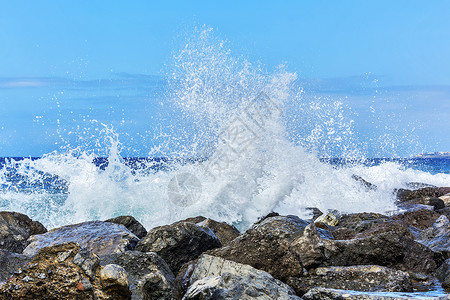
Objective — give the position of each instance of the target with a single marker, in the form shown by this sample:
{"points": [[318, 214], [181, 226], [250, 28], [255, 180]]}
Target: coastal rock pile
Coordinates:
{"points": [[337, 256]]}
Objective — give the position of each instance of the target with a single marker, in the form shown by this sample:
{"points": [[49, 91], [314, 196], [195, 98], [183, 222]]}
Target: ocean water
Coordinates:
{"points": [[241, 142]]}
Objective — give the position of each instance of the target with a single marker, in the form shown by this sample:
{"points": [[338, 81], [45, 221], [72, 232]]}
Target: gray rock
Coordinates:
{"points": [[217, 278], [101, 238], [10, 262], [437, 237], [178, 243], [113, 275], [331, 294], [87, 261], [149, 275], [443, 274], [131, 224], [366, 278], [15, 229]]}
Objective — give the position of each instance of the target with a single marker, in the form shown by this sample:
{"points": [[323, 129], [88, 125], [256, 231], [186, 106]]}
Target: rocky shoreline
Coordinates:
{"points": [[330, 256]]}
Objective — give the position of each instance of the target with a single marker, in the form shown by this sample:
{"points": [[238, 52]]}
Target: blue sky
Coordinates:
{"points": [[103, 60]]}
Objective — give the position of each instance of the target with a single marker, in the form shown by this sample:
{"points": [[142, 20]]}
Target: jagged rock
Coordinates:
{"points": [[149, 275], [52, 274], [435, 202], [366, 278], [405, 195], [443, 274], [327, 219], [367, 185], [315, 212], [267, 246], [101, 238], [217, 278], [421, 218], [15, 229], [446, 199], [390, 249], [331, 294], [225, 232], [178, 243], [358, 221], [437, 237], [10, 262], [131, 224]]}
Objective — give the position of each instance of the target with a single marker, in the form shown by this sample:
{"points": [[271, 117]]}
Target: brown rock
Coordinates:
{"points": [[52, 274], [421, 218]]}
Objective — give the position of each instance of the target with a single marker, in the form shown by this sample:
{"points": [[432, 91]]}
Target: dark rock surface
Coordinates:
{"points": [[225, 232], [101, 238], [15, 229], [366, 278], [131, 224], [332, 294], [435, 192], [10, 262], [178, 243], [149, 275], [53, 274], [421, 218], [437, 237], [267, 246]]}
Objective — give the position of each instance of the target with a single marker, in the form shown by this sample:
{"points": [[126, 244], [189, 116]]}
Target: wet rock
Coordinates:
{"points": [[178, 243], [131, 224], [15, 229], [328, 219], [10, 262], [421, 218], [315, 212], [101, 238], [217, 278], [267, 246], [149, 275], [366, 278], [437, 203], [435, 192], [367, 185], [446, 199], [52, 274], [331, 294], [358, 221], [225, 232], [437, 237], [443, 274], [390, 249]]}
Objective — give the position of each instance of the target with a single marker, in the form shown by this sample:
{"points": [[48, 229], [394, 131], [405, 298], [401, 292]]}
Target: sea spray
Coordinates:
{"points": [[242, 142]]}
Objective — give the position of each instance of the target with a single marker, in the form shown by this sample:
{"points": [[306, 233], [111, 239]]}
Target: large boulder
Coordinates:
{"points": [[10, 262], [178, 243], [267, 246], [405, 195], [217, 278], [366, 278], [437, 237], [131, 224], [224, 231], [15, 229], [149, 275], [419, 218], [102, 238], [59, 272]]}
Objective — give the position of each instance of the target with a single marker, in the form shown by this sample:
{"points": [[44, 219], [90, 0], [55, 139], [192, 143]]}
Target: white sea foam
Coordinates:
{"points": [[241, 121]]}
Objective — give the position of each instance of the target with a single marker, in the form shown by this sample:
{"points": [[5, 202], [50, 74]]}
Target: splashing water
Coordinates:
{"points": [[247, 140]]}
